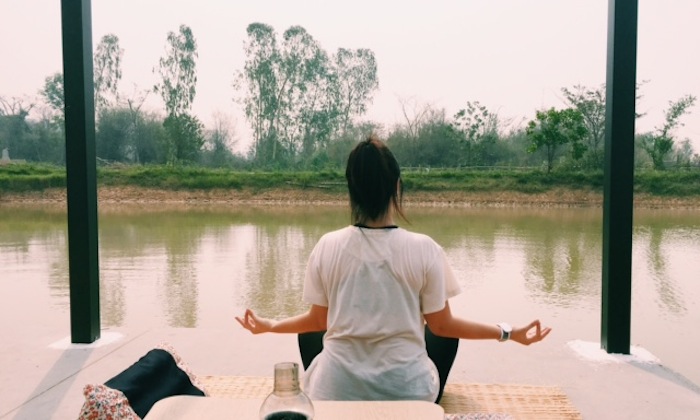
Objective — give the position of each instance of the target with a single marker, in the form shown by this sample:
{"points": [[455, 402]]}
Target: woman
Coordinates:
{"points": [[372, 288]]}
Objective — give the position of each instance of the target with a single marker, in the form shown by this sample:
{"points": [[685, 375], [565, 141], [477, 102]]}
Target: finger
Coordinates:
{"points": [[250, 315], [542, 334], [534, 324], [545, 332], [245, 324]]}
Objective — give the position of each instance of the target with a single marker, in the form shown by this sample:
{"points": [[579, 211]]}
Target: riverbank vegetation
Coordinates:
{"points": [[24, 178]]}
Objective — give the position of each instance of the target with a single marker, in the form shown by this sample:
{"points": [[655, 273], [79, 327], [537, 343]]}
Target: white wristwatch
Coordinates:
{"points": [[506, 329]]}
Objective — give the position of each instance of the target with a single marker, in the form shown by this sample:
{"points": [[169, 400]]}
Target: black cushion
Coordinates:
{"points": [[153, 377]]}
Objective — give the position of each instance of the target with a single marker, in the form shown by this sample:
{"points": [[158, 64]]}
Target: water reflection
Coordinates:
{"points": [[159, 253], [666, 246], [563, 256], [558, 253], [276, 268], [199, 266]]}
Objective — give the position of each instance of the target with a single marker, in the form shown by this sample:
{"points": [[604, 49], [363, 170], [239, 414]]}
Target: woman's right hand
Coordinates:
{"points": [[253, 323]]}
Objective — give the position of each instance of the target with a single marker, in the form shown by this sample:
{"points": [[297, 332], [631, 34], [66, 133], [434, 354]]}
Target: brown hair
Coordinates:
{"points": [[374, 181]]}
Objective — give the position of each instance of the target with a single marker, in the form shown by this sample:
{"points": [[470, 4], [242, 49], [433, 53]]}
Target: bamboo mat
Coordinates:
{"points": [[521, 402]]}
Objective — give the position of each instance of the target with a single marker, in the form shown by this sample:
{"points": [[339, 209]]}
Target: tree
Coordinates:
{"points": [[302, 113], [107, 71], [338, 148], [296, 98], [37, 141], [430, 143], [287, 92], [356, 78], [107, 74], [53, 95], [147, 129], [591, 104], [114, 135], [14, 128], [479, 130], [261, 100], [219, 142], [658, 144], [684, 154], [14, 106], [185, 138], [149, 139], [415, 115], [50, 132], [553, 129], [177, 70]]}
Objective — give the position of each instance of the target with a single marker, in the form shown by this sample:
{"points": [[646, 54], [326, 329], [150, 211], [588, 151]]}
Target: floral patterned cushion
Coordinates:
{"points": [[183, 367], [105, 403]]}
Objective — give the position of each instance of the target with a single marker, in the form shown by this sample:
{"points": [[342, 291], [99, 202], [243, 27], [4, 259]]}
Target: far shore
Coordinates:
{"points": [[556, 198]]}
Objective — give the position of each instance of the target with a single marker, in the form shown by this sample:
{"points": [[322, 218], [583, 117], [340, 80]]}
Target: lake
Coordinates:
{"points": [[199, 266]]}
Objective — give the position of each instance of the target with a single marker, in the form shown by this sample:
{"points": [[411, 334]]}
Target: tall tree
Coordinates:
{"points": [[552, 129], [107, 70], [178, 71], [306, 114], [356, 78], [261, 99], [295, 97], [178, 74], [658, 144]]}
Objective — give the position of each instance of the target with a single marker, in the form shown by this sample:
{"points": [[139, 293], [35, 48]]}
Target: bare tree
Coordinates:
{"points": [[415, 114]]}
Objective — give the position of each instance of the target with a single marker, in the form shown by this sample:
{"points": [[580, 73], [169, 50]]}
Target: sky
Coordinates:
{"points": [[513, 56]]}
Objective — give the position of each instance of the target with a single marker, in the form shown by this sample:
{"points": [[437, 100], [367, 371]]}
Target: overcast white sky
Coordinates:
{"points": [[513, 56]]}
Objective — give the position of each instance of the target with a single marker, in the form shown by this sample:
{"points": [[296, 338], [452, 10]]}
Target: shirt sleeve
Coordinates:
{"points": [[440, 283], [314, 290]]}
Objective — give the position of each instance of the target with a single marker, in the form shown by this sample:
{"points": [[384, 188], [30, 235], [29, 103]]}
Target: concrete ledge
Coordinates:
{"points": [[42, 381]]}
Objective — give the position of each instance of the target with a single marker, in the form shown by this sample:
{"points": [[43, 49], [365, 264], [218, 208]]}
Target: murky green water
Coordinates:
{"points": [[199, 266]]}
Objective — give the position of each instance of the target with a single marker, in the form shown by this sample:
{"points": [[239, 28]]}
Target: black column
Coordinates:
{"points": [[619, 176], [81, 171]]}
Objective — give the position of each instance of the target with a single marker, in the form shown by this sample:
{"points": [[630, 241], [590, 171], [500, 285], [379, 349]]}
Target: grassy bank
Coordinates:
{"points": [[442, 184]]}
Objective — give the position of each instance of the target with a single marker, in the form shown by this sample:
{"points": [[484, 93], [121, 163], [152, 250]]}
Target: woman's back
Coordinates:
{"points": [[376, 284]]}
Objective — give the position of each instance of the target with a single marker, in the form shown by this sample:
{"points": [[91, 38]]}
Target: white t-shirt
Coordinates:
{"points": [[376, 284]]}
